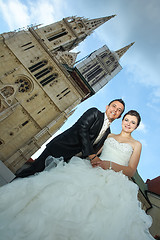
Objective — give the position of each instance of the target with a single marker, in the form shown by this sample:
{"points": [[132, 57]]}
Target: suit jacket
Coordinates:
{"points": [[80, 137]]}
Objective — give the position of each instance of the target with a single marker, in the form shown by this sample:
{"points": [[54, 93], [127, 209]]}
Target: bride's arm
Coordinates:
{"points": [[127, 170]]}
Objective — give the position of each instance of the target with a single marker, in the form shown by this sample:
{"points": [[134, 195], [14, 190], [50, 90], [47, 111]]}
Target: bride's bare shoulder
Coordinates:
{"points": [[137, 143], [112, 135]]}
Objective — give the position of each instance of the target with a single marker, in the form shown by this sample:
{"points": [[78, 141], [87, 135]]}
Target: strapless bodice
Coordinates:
{"points": [[117, 152]]}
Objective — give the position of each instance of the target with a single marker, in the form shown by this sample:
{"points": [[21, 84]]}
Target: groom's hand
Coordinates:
{"points": [[92, 156]]}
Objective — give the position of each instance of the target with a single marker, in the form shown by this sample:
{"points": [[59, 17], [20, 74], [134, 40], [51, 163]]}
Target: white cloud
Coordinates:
{"points": [[142, 127], [144, 143], [18, 14], [15, 13], [46, 12]]}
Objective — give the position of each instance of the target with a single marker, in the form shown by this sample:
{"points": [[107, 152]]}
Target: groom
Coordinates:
{"points": [[86, 136]]}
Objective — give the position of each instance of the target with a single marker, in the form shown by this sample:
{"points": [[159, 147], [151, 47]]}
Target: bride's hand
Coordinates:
{"points": [[104, 165], [95, 162]]}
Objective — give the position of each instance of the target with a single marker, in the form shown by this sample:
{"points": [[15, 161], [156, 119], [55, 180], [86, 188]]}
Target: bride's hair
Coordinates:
{"points": [[133, 113]]}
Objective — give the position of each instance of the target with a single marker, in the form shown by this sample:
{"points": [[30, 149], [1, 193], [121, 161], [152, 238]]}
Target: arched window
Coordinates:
{"points": [[38, 65]]}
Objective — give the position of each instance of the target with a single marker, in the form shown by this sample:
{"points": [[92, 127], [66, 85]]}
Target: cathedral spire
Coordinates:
{"points": [[123, 50], [92, 24], [79, 29]]}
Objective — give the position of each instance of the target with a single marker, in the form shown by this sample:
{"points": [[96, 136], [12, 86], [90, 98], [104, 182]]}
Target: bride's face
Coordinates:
{"points": [[129, 123]]}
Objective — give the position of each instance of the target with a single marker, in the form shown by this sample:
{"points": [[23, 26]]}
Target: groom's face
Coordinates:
{"points": [[114, 110]]}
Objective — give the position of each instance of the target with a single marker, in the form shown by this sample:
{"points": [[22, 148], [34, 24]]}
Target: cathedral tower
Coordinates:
{"points": [[101, 66], [69, 32]]}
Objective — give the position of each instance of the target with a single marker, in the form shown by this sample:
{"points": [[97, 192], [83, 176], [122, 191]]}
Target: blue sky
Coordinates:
{"points": [[138, 82]]}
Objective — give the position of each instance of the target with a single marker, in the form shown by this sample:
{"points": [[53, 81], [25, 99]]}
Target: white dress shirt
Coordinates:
{"points": [[106, 125]]}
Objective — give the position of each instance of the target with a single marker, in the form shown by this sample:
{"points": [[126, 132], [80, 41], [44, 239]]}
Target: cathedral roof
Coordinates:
{"points": [[154, 185]]}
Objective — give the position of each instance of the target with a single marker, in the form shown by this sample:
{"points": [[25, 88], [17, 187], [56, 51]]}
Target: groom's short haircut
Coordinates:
{"points": [[121, 101]]}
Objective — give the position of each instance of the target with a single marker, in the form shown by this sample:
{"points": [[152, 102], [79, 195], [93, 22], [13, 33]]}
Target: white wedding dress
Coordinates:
{"points": [[75, 202]]}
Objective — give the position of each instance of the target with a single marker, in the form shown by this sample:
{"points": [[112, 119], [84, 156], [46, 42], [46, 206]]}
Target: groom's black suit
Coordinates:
{"points": [[79, 138]]}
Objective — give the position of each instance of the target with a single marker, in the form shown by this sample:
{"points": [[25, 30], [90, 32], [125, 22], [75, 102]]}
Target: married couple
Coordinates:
{"points": [[80, 199]]}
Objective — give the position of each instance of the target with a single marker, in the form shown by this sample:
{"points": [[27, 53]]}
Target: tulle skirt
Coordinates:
{"points": [[73, 202]]}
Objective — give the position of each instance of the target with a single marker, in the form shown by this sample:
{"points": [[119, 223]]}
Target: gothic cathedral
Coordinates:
{"points": [[40, 86]]}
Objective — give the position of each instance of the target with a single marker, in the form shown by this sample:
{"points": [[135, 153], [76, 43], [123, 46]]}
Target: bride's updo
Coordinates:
{"points": [[133, 113]]}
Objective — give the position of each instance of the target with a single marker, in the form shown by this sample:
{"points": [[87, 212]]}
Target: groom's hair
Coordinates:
{"points": [[121, 101]]}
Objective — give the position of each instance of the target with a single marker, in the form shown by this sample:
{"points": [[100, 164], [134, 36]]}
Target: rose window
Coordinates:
{"points": [[24, 85]]}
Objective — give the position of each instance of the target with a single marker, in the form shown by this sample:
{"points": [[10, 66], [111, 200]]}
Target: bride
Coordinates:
{"points": [[81, 200]]}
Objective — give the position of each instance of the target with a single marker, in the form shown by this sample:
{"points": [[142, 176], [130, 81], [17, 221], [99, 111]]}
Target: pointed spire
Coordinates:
{"points": [[92, 24], [81, 28], [123, 50]]}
